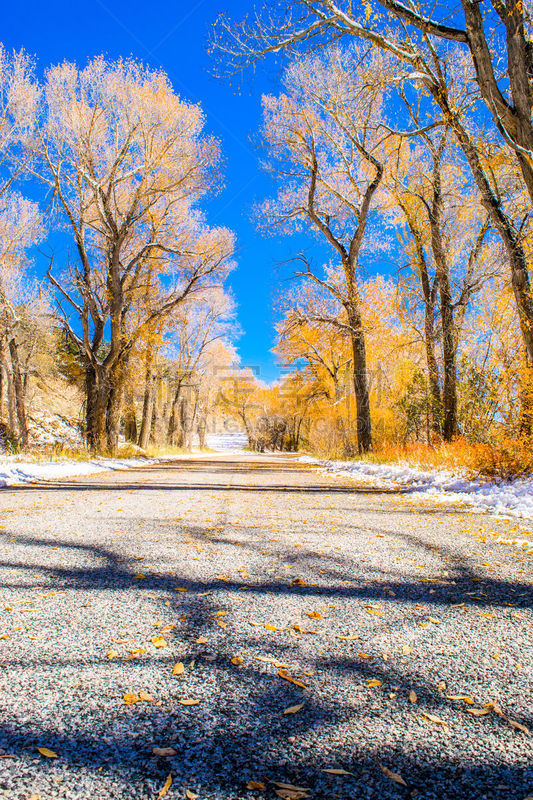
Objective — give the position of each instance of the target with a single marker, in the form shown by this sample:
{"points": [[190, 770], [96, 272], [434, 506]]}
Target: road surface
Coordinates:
{"points": [[266, 628]]}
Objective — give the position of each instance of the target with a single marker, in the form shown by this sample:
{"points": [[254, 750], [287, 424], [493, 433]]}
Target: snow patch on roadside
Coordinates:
{"points": [[227, 442], [507, 498], [16, 473]]}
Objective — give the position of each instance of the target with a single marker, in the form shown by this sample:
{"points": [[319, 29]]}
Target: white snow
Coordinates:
{"points": [[507, 498], [227, 442], [14, 473]]}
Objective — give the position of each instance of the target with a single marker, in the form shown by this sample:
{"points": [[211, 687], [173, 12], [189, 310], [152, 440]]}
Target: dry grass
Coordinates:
{"points": [[505, 459]]}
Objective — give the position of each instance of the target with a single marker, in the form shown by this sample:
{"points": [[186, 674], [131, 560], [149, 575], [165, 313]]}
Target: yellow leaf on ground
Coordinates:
{"points": [[394, 776], [251, 785], [222, 624], [293, 709], [190, 795], [406, 650], [112, 654], [462, 697], [190, 702], [374, 611], [287, 677], [130, 699], [373, 683], [434, 620], [432, 718], [413, 697], [44, 751], [364, 655], [178, 669], [337, 772], [139, 577], [237, 660], [166, 786], [518, 726], [158, 641], [201, 640], [479, 712], [145, 696], [314, 615]]}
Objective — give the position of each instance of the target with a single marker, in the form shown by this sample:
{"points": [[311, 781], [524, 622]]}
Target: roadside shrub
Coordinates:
{"points": [[505, 459]]}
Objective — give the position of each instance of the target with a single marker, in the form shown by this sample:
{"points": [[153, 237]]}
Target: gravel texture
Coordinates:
{"points": [[383, 605]]}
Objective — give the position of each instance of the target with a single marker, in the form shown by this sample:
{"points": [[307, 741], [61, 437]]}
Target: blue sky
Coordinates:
{"points": [[174, 36]]}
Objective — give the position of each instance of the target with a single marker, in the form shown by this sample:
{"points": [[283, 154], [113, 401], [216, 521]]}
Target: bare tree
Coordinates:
{"points": [[325, 145], [126, 161]]}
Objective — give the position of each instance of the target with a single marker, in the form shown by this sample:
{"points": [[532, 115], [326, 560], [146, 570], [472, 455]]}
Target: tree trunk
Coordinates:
{"points": [[114, 407], [11, 410], [449, 387], [130, 419], [202, 430], [510, 237], [360, 380], [97, 396], [18, 385], [148, 401], [172, 420]]}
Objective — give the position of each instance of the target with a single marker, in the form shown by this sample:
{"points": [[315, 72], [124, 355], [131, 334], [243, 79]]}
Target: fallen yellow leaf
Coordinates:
{"points": [[373, 683], [190, 702], [287, 677], [44, 751], [166, 786], [158, 641], [130, 699], [293, 709], [337, 772], [178, 669], [394, 776], [432, 718]]}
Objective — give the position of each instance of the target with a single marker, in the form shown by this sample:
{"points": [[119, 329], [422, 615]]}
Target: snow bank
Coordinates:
{"points": [[508, 498], [227, 442], [15, 473]]}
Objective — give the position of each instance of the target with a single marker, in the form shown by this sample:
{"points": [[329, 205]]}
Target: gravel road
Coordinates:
{"points": [[187, 606]]}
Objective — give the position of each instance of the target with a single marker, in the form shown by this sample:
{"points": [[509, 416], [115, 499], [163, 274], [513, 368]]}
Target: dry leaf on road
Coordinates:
{"points": [[337, 772], [44, 751], [259, 785], [394, 776], [287, 677], [293, 709], [166, 786]]}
